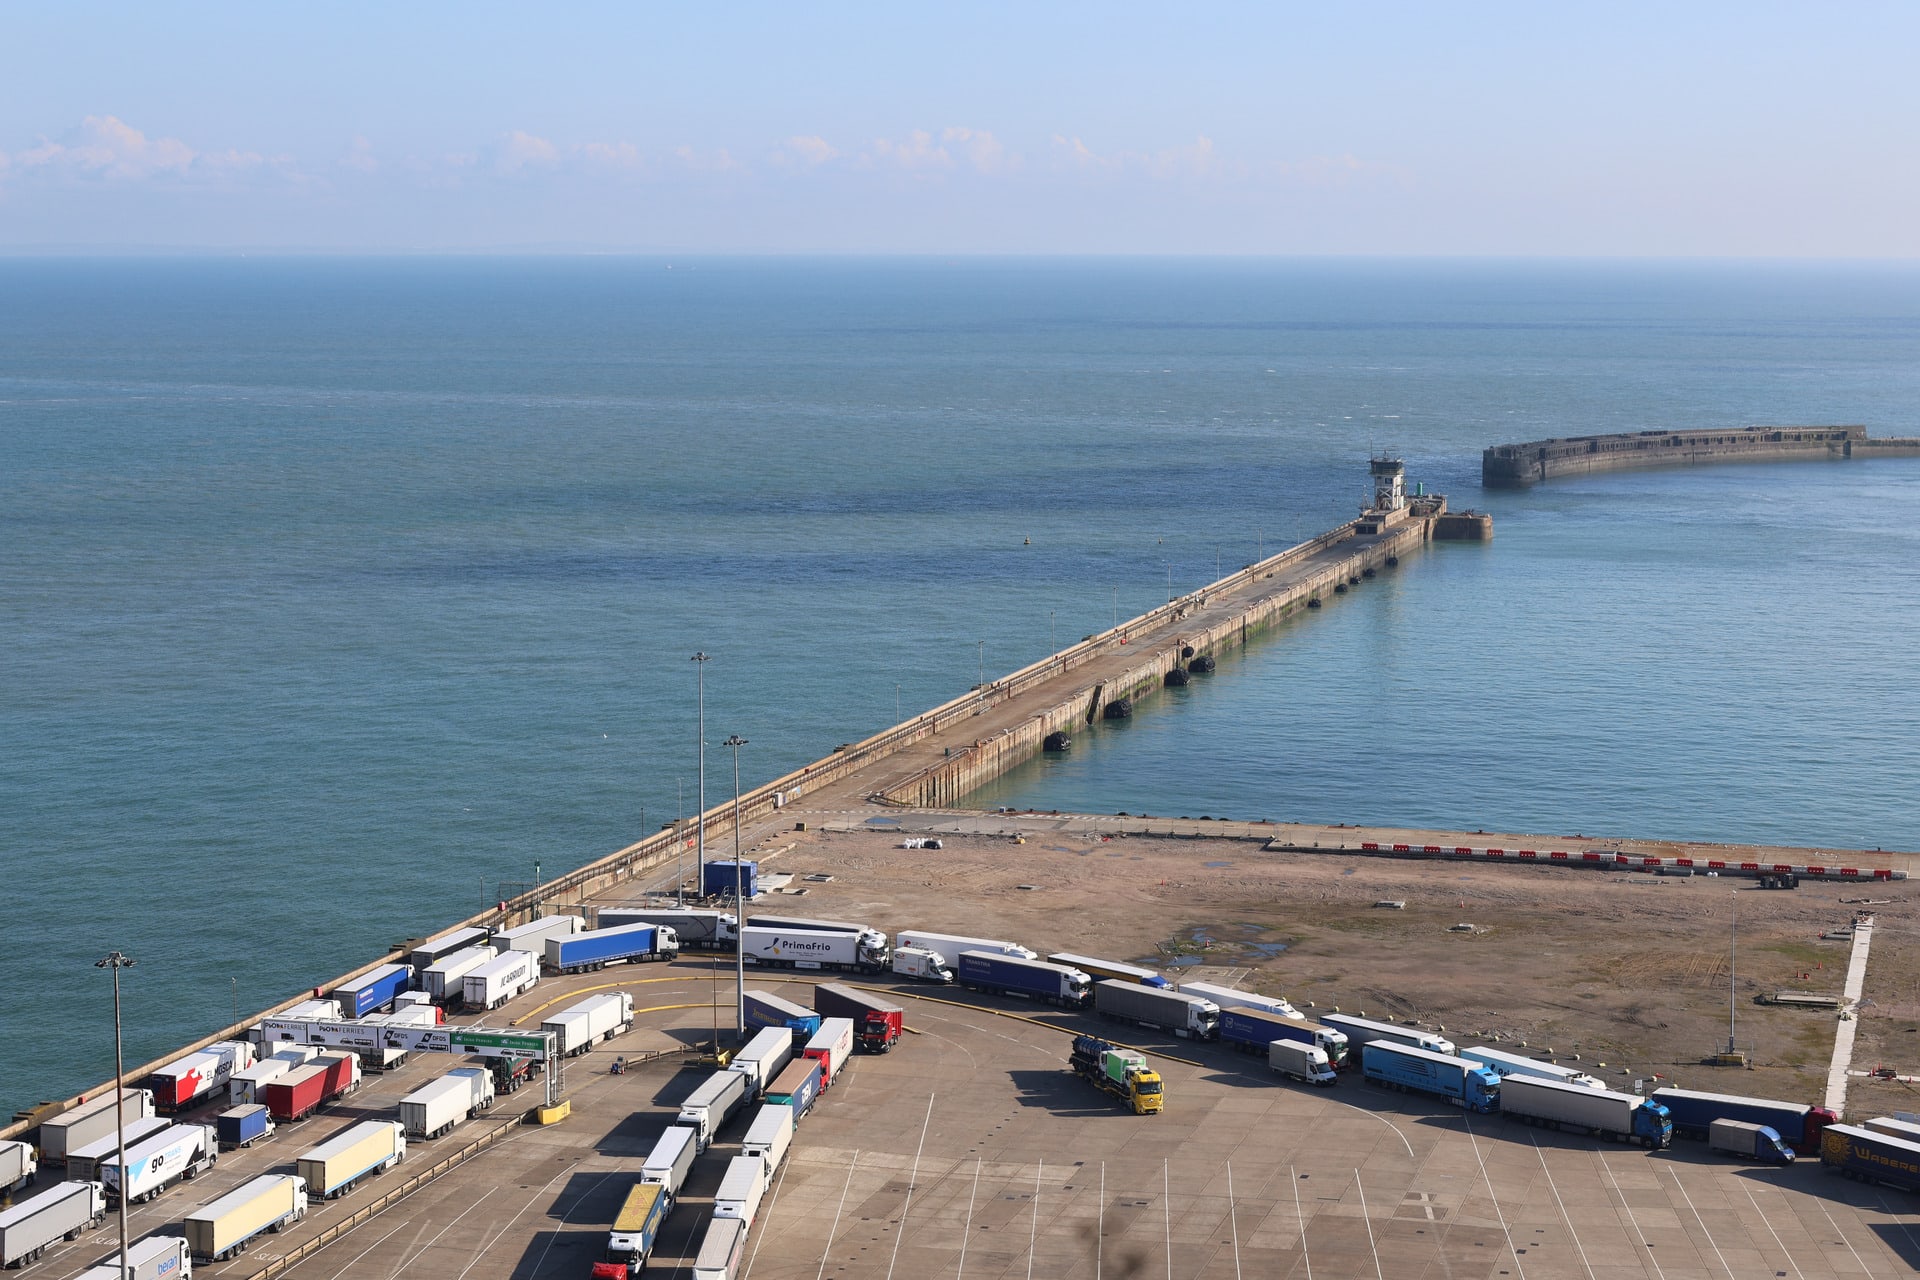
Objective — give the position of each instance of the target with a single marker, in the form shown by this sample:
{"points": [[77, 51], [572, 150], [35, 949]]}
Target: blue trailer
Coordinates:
{"points": [[1460, 1081], [764, 1009], [716, 880], [1012, 976], [1252, 1030], [373, 990], [797, 1086], [242, 1126], [1693, 1114], [1870, 1157], [599, 948]]}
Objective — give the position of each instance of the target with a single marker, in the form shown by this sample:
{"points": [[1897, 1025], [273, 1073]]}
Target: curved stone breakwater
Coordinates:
{"points": [[1515, 466]]}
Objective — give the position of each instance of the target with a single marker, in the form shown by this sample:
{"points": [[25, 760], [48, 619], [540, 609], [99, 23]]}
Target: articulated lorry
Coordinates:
{"points": [[709, 1107], [1505, 1064], [696, 930], [304, 1090], [336, 1167], [742, 1188], [672, 1156], [1693, 1112], [18, 1167], [949, 946], [1299, 1061], [243, 1087], [636, 1229], [1363, 1030], [1748, 1141], [877, 1021], [918, 962], [1441, 1075], [428, 954], [797, 1087], [1252, 1030], [598, 948], [1189, 1017], [220, 1230], [1098, 969], [373, 990], [155, 1258], [720, 1250], [437, 1106], [1867, 1156], [85, 1162], [173, 1155], [532, 936], [769, 1135], [1233, 998], [1617, 1117], [1123, 1073], [191, 1080], [1033, 979], [763, 1057], [501, 979], [90, 1121], [242, 1126], [765, 1009], [441, 980], [864, 951], [831, 1046], [579, 1027], [60, 1213]]}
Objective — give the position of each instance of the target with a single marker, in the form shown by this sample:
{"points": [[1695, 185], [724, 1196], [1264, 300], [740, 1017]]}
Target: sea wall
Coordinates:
{"points": [[1520, 465]]}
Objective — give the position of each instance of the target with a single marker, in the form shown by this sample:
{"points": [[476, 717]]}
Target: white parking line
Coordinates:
{"points": [[1368, 1219], [1843, 1239], [968, 1230], [828, 1251], [1703, 1225], [778, 1183], [1033, 1232], [900, 1230], [1233, 1217], [1562, 1203], [1298, 1213], [1499, 1217], [1766, 1218]]}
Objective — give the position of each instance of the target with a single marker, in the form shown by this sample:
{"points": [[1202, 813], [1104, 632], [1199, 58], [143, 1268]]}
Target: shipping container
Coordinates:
{"points": [[336, 1167], [709, 1107], [222, 1229], [1870, 1157], [798, 1086], [831, 1045], [1031, 979], [1233, 998], [763, 1057], [598, 948], [1693, 1112], [437, 1106], [1505, 1064], [671, 1157], [194, 1078], [372, 990], [432, 952], [1098, 969], [1186, 1016], [877, 1021], [720, 1250], [769, 1136], [1361, 1030], [85, 1163], [441, 979], [1440, 1075], [62, 1211], [696, 930], [765, 1009], [579, 1027], [155, 1258], [741, 1188], [1618, 1117], [948, 946], [90, 1121], [171, 1156], [532, 936], [243, 1126], [501, 979]]}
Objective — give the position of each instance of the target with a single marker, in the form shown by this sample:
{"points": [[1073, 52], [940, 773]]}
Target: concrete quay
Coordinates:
{"points": [[1516, 466]]}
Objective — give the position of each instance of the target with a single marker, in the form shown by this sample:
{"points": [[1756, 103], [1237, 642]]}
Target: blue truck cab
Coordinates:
{"points": [[1412, 1070]]}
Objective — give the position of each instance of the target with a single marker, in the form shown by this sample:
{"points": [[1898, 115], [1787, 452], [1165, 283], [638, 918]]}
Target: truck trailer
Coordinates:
{"points": [[741, 1189], [1870, 1157], [949, 946], [155, 1258], [764, 921], [193, 1079], [765, 1009], [877, 1022], [720, 1250], [441, 980], [1505, 1064], [1098, 969], [763, 1057], [1893, 1128], [1234, 998], [1693, 1112], [500, 979], [436, 1107], [85, 1163], [1618, 1117], [598, 948], [1440, 1075], [242, 1126], [428, 954], [831, 1046], [578, 1027], [1300, 1061], [18, 1167], [797, 1086], [244, 1086], [1031, 979], [532, 936], [218, 1231], [173, 1155], [336, 1167], [769, 1135], [696, 930], [90, 1121], [304, 1090], [1252, 1030], [918, 962], [636, 1229], [1189, 1017], [709, 1107], [375, 989], [61, 1212], [1123, 1073], [865, 951], [672, 1156], [1748, 1141], [1362, 1030]]}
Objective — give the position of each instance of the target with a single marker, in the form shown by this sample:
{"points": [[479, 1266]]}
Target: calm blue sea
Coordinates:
{"points": [[337, 595]]}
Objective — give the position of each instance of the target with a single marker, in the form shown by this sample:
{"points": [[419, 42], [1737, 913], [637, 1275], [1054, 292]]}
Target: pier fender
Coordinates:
{"points": [[1119, 709], [1186, 651], [1202, 665], [1176, 678]]}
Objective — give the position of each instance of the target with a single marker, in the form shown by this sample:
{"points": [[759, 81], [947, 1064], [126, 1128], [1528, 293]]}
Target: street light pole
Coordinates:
{"points": [[116, 962], [700, 661], [983, 665], [1733, 956], [739, 904]]}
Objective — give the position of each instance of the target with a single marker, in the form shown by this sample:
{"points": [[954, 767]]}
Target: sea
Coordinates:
{"points": [[342, 597]]}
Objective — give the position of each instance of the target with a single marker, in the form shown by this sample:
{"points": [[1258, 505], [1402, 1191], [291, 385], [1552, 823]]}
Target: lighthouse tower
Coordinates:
{"points": [[1389, 484]]}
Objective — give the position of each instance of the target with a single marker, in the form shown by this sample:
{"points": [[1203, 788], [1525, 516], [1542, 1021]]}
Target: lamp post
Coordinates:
{"points": [[1169, 567], [1052, 645], [983, 665], [739, 903], [700, 661], [896, 703], [1733, 957], [116, 962]]}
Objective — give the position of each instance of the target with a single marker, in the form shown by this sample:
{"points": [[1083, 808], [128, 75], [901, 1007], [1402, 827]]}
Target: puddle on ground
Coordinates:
{"points": [[1220, 944], [1216, 864], [883, 822]]}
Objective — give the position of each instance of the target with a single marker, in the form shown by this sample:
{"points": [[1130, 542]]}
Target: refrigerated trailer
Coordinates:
{"points": [[173, 1155], [61, 1212], [708, 1108], [741, 1189], [579, 1027], [441, 979], [1233, 998], [532, 936], [720, 1250], [155, 1258], [428, 954], [832, 1045], [864, 950], [186, 1082], [769, 1136], [18, 1167], [1362, 1030], [672, 1156], [1505, 1064], [218, 1231], [763, 1057], [501, 979], [244, 1086], [437, 1106], [1114, 969], [949, 946], [85, 1162]]}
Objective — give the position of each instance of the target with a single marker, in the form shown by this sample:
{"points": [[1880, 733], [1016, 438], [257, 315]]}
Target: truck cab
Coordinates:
{"points": [[918, 962], [1142, 1084], [1653, 1126]]}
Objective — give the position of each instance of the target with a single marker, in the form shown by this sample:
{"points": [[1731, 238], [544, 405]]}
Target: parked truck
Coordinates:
{"points": [[220, 1230], [765, 1009], [1618, 1117], [85, 1163], [709, 1107], [1362, 1030], [18, 1167], [720, 1250], [762, 1058], [155, 1258], [1121, 1072], [61, 1212], [1232, 998], [831, 1045], [864, 951], [877, 1021], [90, 1121], [697, 930], [173, 1155], [1748, 1141], [672, 1156], [636, 1228], [764, 921], [578, 1027], [918, 962], [1694, 1112], [598, 948], [1098, 969], [1252, 1030], [1870, 1157], [437, 1106], [244, 1086], [532, 936], [1300, 1061], [479, 1084], [428, 954], [1189, 1017], [741, 1189], [769, 1135], [797, 1086], [1505, 1064], [336, 1167], [304, 1090], [194, 1078], [441, 980], [500, 979], [1893, 1128], [1440, 1075], [948, 946], [1031, 979], [242, 1126], [373, 990]]}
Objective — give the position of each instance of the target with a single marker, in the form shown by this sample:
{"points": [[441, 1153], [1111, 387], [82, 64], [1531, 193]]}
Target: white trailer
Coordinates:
{"points": [[532, 936], [435, 1107], [761, 1060], [1620, 1117], [501, 978], [320, 1009], [948, 946], [709, 1107], [428, 954], [90, 1121], [62, 1212], [865, 950], [720, 1250], [218, 1231], [770, 1134], [1301, 1061], [671, 1157], [1184, 1015], [1230, 998], [1363, 1030], [918, 962], [441, 979], [175, 1154], [1505, 1064], [244, 1086], [697, 929], [741, 1189], [335, 1167], [479, 1082], [579, 1027], [832, 1044], [155, 1258], [18, 1168], [85, 1163]]}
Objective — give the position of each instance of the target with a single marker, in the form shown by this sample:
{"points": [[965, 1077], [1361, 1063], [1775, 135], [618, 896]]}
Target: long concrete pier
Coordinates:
{"points": [[1516, 466]]}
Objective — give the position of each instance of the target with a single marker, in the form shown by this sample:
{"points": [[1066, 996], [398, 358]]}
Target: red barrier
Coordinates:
{"points": [[1749, 866], [1496, 853], [1403, 848], [1463, 851], [1782, 868], [1371, 846], [1716, 865], [1816, 871], [1432, 848], [1556, 857]]}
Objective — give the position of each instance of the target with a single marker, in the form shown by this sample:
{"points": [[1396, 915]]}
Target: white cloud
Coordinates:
{"points": [[719, 161], [517, 151], [1195, 160], [619, 156], [921, 152], [108, 149], [981, 149], [809, 150], [360, 157]]}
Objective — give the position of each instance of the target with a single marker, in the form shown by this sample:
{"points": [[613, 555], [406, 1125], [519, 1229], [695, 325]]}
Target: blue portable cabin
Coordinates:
{"points": [[1461, 1081], [716, 880], [373, 990], [764, 1009]]}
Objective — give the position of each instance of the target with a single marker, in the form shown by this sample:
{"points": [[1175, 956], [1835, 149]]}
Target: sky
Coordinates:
{"points": [[1640, 130]]}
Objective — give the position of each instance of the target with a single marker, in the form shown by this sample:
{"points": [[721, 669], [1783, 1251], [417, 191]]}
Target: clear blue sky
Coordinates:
{"points": [[1747, 129]]}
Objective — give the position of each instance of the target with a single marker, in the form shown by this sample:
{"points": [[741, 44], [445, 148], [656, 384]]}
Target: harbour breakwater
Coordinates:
{"points": [[1512, 466]]}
